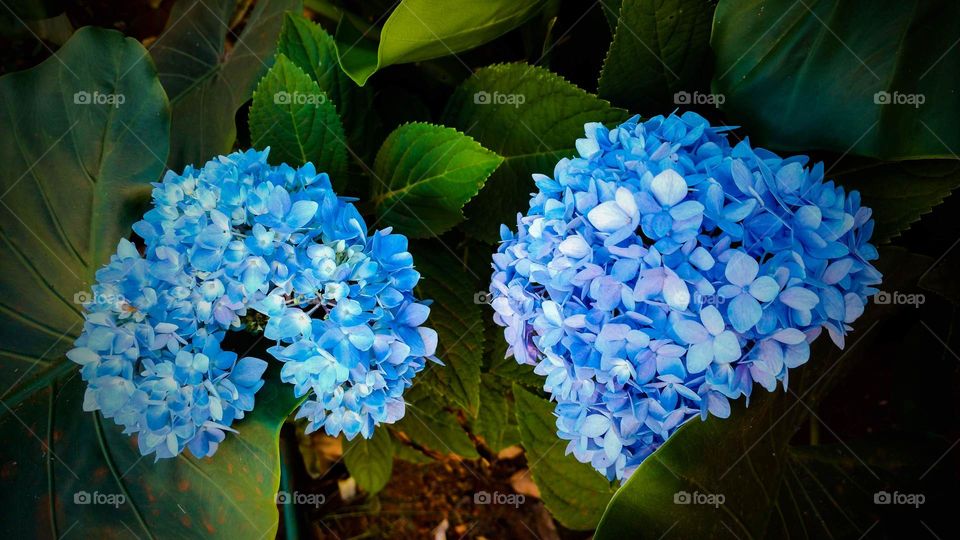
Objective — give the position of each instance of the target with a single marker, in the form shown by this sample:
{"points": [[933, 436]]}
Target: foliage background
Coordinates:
{"points": [[799, 76]]}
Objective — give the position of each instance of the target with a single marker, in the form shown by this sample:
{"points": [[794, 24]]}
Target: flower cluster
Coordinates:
{"points": [[663, 272], [236, 245]]}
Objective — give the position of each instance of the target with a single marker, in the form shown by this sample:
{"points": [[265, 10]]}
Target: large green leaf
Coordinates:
{"points": [[456, 317], [370, 461], [76, 173], [535, 123], [76, 170], [421, 29], [292, 116], [659, 48], [898, 192], [308, 46], [574, 492], [424, 174], [802, 75], [207, 76], [743, 458]]}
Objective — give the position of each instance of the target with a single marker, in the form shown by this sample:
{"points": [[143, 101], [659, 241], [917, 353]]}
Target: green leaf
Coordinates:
{"points": [[425, 174], [898, 192], [496, 422], [807, 75], [659, 48], [531, 136], [74, 178], [742, 458], [430, 425], [574, 492], [207, 78], [313, 50], [72, 185], [370, 461], [420, 30], [292, 116], [456, 317]]}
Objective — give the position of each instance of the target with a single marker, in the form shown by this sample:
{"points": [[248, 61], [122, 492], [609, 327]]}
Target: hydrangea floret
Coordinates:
{"points": [[662, 272], [241, 244]]}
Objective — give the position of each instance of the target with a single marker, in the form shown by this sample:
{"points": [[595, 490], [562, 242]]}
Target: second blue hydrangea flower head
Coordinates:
{"points": [[236, 245], [663, 272]]}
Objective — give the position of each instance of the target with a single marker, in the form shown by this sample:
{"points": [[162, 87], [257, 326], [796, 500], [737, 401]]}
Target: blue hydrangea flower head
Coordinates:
{"points": [[662, 272], [237, 244]]}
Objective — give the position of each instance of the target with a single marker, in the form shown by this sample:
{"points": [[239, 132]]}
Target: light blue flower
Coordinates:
{"points": [[661, 273], [223, 242]]}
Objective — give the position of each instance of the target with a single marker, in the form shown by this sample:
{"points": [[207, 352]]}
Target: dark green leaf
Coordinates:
{"points": [[899, 192], [742, 458], [574, 492], [538, 122], [455, 315], [496, 422], [76, 172], [802, 75], [292, 116], [308, 46], [659, 48], [424, 176], [207, 78], [370, 461], [420, 30]]}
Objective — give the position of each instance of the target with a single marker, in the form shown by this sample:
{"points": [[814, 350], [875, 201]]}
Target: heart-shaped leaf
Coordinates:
{"points": [[207, 77]]}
